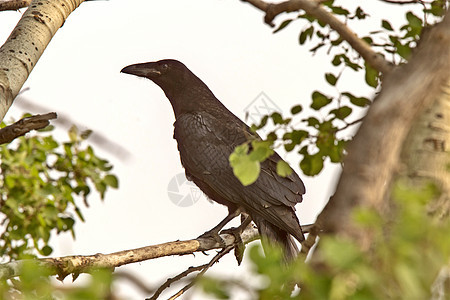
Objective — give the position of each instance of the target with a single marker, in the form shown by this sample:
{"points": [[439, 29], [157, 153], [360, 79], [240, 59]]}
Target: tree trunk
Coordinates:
{"points": [[412, 96], [27, 42]]}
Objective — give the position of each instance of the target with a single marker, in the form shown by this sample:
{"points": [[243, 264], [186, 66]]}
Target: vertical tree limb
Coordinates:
{"points": [[374, 154], [27, 42]]}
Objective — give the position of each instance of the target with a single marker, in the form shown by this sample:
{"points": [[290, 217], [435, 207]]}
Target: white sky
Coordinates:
{"points": [[229, 47]]}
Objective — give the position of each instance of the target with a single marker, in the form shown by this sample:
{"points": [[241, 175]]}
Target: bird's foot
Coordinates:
{"points": [[213, 234], [240, 246]]}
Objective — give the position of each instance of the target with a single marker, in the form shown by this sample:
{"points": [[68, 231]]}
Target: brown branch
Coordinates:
{"points": [[25, 125], [374, 154], [77, 264], [13, 4], [63, 266], [315, 9]]}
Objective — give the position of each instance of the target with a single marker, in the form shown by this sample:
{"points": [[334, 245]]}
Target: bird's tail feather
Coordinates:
{"points": [[276, 237]]}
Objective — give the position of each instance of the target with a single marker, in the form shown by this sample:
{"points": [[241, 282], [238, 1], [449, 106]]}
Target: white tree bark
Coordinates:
{"points": [[27, 42], [426, 152]]}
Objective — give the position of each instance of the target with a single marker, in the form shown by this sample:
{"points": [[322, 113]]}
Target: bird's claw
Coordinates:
{"points": [[240, 246], [213, 234]]}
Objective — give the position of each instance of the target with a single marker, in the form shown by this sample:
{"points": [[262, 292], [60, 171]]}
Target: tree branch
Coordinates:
{"points": [[25, 125], [374, 154], [13, 4], [63, 266], [27, 42], [315, 9]]}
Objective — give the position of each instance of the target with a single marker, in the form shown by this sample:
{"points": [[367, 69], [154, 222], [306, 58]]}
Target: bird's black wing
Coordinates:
{"points": [[205, 142]]}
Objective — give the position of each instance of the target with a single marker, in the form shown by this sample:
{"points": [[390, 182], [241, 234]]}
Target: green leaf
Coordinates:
{"points": [[313, 122], [46, 250], [358, 101], [283, 25], [307, 33], [403, 50], [414, 21], [296, 109], [386, 25], [85, 134], [297, 136], [336, 60], [360, 14], [336, 153], [341, 253], [244, 168], [319, 100], [340, 10], [371, 76], [276, 118], [112, 181], [342, 112], [368, 40], [283, 168], [312, 164], [261, 150], [331, 79], [289, 147]]}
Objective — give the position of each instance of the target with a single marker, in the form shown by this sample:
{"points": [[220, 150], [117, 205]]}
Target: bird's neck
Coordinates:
{"points": [[190, 99]]}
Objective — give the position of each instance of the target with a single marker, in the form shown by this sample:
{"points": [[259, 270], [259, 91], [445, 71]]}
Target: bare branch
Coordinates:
{"points": [[13, 4], [25, 125], [63, 266], [315, 9]]}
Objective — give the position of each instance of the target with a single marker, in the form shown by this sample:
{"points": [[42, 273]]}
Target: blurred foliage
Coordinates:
{"points": [[408, 251], [34, 284], [322, 136], [43, 182]]}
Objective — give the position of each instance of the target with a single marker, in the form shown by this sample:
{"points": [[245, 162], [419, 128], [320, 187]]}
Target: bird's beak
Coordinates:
{"points": [[142, 70]]}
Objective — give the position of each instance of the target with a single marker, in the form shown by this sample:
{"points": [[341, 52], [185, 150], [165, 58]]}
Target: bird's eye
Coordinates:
{"points": [[164, 67]]}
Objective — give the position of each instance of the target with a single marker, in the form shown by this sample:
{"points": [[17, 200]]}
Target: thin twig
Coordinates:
{"points": [[169, 281], [213, 261], [350, 124]]}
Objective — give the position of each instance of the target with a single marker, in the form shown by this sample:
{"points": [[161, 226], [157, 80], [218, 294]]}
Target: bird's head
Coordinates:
{"points": [[169, 74], [185, 91]]}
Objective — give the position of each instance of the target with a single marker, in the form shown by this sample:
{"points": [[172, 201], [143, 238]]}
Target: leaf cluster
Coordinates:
{"points": [[34, 283], [403, 263], [42, 182], [319, 139]]}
